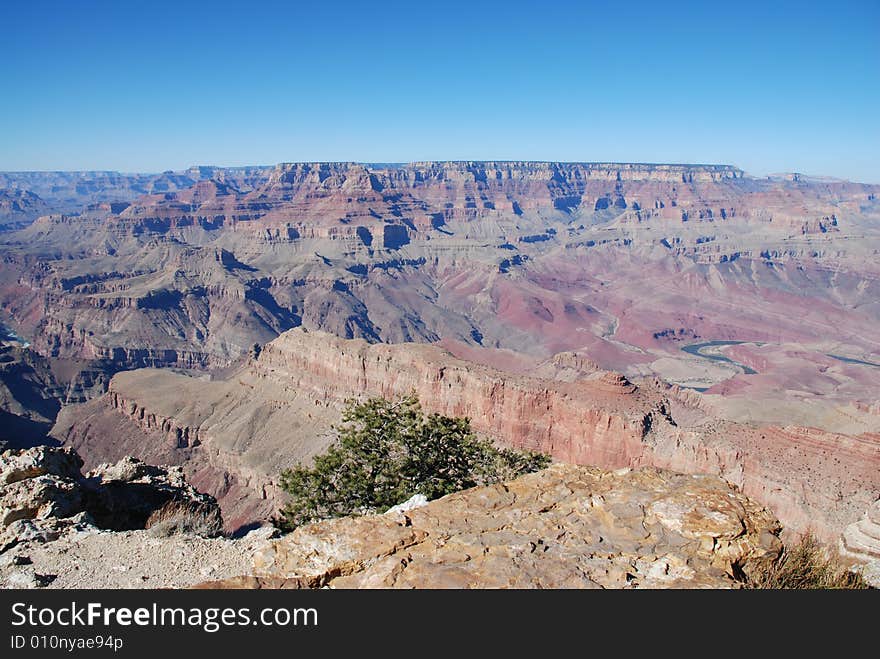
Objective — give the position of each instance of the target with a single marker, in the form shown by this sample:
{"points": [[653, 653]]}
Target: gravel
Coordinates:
{"points": [[129, 559]]}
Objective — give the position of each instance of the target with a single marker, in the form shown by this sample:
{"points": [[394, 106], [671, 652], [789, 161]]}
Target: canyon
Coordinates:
{"points": [[234, 435], [73, 191], [628, 263], [218, 318]]}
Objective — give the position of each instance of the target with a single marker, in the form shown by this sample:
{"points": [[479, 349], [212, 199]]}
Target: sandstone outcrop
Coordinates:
{"points": [[123, 525], [564, 527], [132, 495], [40, 461], [43, 495], [861, 540]]}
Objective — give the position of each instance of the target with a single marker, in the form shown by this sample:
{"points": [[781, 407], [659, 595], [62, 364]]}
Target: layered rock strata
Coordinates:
{"points": [[861, 541], [194, 273], [235, 435], [18, 208], [863, 537]]}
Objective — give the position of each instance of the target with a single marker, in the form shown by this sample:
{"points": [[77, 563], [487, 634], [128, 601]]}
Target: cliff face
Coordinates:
{"points": [[33, 389], [600, 420], [245, 496], [431, 192], [278, 410], [18, 208]]}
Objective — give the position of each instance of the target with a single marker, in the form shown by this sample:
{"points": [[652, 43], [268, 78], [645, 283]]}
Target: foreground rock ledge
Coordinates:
{"points": [[564, 527]]}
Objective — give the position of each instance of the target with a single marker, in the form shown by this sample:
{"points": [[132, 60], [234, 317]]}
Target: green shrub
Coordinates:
{"points": [[807, 565], [387, 452]]}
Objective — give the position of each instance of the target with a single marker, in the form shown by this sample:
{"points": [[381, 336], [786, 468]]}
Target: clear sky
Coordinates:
{"points": [[137, 85]]}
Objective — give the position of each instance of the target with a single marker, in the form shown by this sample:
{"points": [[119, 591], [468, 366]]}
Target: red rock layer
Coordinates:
{"points": [[810, 478]]}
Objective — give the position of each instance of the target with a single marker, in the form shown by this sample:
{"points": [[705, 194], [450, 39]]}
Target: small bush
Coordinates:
{"points": [[807, 565], [387, 452], [185, 517]]}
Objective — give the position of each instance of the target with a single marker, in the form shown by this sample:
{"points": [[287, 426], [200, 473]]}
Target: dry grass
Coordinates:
{"points": [[807, 565], [185, 517]]}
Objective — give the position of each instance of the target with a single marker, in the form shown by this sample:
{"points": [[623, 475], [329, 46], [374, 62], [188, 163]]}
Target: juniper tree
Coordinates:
{"points": [[387, 451]]}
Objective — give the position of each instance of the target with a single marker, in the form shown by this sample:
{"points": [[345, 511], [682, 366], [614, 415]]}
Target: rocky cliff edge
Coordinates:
{"points": [[563, 527]]}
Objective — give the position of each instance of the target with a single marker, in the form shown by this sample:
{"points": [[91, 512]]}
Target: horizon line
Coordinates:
{"points": [[404, 163]]}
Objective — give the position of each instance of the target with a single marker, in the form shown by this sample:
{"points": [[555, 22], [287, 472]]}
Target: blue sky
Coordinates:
{"points": [[153, 85]]}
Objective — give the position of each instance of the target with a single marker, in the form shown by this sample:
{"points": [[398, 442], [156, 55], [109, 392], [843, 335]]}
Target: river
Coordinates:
{"points": [[697, 350], [850, 360]]}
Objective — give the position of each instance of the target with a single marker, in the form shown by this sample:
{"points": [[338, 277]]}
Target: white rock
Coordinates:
{"points": [[262, 533], [870, 571], [415, 501]]}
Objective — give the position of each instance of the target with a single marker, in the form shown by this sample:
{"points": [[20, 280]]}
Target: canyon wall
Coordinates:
{"points": [[18, 208], [596, 420], [277, 411], [198, 268]]}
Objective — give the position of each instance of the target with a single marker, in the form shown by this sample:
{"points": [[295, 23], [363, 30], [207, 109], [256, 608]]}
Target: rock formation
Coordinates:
{"points": [[123, 525], [622, 264], [861, 540], [33, 389], [18, 208], [235, 435], [535, 257], [43, 494], [863, 537], [72, 191], [564, 527]]}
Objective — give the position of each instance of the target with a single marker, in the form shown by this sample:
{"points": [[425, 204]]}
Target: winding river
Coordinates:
{"points": [[850, 360], [696, 349]]}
